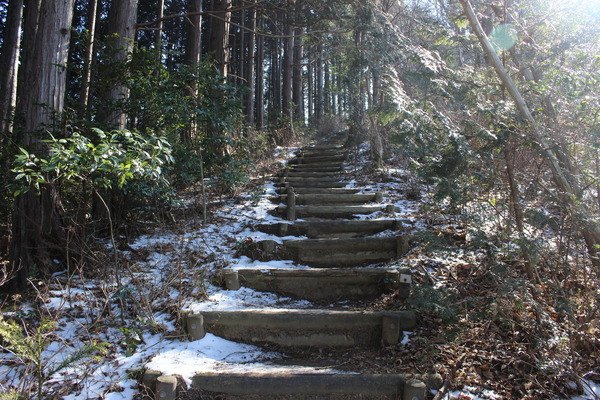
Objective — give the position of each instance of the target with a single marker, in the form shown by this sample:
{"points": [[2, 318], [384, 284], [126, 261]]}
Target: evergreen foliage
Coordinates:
{"points": [[28, 348]]}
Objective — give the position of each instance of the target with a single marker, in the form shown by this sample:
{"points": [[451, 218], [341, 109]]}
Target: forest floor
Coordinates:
{"points": [[482, 325]]}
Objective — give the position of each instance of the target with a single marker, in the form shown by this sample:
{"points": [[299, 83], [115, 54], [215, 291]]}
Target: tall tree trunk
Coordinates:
{"points": [[9, 58], [310, 94], [120, 41], [159, 27], [193, 48], [218, 42], [590, 229], [356, 92], [320, 84], [37, 230], [260, 76], [297, 85], [288, 65], [121, 24], [327, 89], [89, 53], [250, 68], [193, 29], [335, 91], [218, 47], [275, 83], [377, 101], [240, 48]]}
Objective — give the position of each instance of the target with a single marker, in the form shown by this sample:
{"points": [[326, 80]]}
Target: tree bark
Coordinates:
{"points": [[260, 77], [192, 56], [159, 27], [288, 65], [193, 29], [9, 58], [274, 92], [37, 229], [218, 42], [120, 42], [297, 85], [121, 24], [250, 68], [335, 92], [240, 46], [327, 89], [89, 53], [320, 84], [310, 94]]}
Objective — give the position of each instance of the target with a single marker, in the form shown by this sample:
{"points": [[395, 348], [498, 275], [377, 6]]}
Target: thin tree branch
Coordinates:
{"points": [[213, 14], [143, 25]]}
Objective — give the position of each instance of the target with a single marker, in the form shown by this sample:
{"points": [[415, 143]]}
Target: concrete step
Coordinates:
{"points": [[337, 155], [327, 146], [315, 183], [320, 166], [307, 180], [334, 252], [296, 328], [308, 174], [324, 229], [321, 285], [311, 168], [333, 212], [325, 150], [317, 190], [314, 386], [316, 159], [322, 199]]}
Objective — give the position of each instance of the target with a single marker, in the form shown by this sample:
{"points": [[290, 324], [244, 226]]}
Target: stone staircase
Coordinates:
{"points": [[338, 245]]}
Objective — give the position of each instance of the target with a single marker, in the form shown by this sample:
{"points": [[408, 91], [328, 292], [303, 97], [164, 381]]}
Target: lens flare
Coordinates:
{"points": [[503, 36]]}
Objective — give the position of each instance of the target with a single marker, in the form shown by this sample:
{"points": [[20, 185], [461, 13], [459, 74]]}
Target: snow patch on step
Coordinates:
{"points": [[217, 355], [243, 299], [246, 263]]}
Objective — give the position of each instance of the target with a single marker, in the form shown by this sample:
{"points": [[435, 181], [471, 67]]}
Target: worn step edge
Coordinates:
{"points": [[320, 164], [325, 198], [321, 153], [315, 159], [321, 284], [309, 168], [295, 385], [342, 260], [312, 184], [333, 252], [303, 328], [335, 211], [308, 174], [392, 386], [322, 190], [327, 146], [349, 244], [321, 229], [300, 179]]}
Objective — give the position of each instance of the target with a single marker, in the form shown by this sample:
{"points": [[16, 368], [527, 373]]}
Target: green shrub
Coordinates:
{"points": [[28, 347], [110, 161]]}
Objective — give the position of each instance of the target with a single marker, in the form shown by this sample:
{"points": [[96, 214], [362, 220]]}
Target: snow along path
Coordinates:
{"points": [[170, 268], [152, 339]]}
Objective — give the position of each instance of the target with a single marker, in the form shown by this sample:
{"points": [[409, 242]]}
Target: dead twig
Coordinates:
{"points": [[448, 381]]}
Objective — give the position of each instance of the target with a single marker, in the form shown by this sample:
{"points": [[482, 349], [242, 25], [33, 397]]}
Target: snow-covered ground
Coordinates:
{"points": [[161, 274]]}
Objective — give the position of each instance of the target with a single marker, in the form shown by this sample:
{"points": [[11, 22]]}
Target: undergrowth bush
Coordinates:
{"points": [[28, 346], [83, 167]]}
